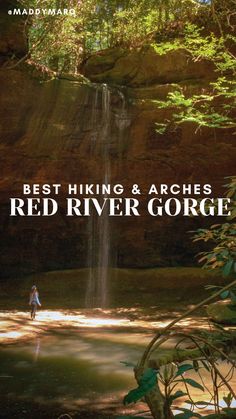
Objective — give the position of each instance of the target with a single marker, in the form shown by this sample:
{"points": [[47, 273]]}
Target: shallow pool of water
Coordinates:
{"points": [[71, 361]]}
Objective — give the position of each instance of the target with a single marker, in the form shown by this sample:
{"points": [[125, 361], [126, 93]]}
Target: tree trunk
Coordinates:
{"points": [[154, 399]]}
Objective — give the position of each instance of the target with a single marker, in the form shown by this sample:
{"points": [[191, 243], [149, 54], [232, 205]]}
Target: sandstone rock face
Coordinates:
{"points": [[13, 39], [73, 131], [145, 67], [56, 132]]}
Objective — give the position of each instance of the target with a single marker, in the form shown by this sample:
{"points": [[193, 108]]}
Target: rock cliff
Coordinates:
{"points": [[13, 32], [53, 132], [145, 67]]}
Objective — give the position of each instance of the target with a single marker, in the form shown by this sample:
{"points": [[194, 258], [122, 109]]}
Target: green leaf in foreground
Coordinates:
{"points": [[176, 395], [183, 368], [224, 295], [227, 268], [128, 364], [187, 414], [147, 382], [192, 383], [230, 412]]}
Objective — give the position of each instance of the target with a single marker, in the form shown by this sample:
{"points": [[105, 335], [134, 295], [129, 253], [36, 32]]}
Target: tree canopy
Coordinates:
{"points": [[62, 42]]}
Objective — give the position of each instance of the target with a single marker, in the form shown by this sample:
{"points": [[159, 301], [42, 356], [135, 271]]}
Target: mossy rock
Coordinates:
{"points": [[222, 312], [103, 60], [145, 67], [12, 31], [37, 71]]}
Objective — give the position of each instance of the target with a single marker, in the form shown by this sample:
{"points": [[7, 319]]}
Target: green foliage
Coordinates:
{"points": [[210, 47], [169, 377], [228, 399], [62, 42], [223, 236], [201, 46], [187, 414], [164, 47], [223, 257], [192, 383], [176, 395], [213, 109], [224, 252], [53, 39], [231, 294], [183, 368], [147, 381]]}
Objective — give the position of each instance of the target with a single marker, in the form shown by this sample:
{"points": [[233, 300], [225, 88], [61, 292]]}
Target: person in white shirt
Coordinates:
{"points": [[34, 301]]}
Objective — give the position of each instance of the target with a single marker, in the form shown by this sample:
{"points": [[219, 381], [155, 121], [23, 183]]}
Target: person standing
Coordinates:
{"points": [[34, 301]]}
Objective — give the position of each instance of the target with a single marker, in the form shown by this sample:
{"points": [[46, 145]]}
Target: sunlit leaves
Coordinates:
{"points": [[176, 395], [201, 109], [223, 254], [223, 237], [192, 383], [63, 42], [213, 108]]}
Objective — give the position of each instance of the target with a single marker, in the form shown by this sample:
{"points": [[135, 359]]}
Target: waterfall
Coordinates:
{"points": [[76, 134], [108, 122], [99, 228], [104, 221]]}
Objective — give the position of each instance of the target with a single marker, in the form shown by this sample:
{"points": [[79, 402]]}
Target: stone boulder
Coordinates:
{"points": [[13, 38], [222, 312], [145, 67]]}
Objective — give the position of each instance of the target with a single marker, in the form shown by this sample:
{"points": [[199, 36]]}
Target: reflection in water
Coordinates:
{"points": [[37, 350], [74, 357]]}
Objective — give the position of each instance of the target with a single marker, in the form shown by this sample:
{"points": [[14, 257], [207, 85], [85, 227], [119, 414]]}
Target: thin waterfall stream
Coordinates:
{"points": [[104, 121]]}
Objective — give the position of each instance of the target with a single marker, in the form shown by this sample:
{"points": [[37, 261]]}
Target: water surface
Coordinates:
{"points": [[70, 360]]}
